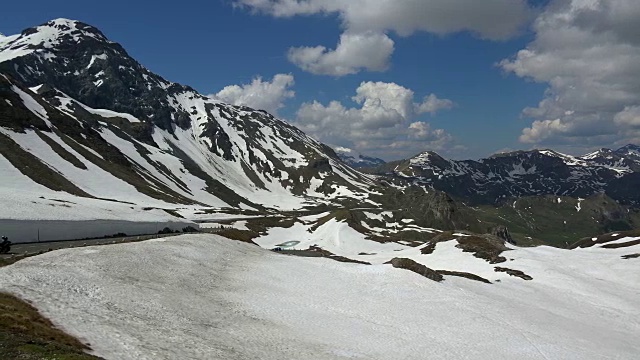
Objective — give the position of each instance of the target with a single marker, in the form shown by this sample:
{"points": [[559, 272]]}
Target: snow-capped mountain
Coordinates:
{"points": [[524, 173], [97, 124], [626, 158], [356, 160]]}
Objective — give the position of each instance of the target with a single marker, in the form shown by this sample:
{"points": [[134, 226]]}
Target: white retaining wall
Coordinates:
{"points": [[23, 231]]}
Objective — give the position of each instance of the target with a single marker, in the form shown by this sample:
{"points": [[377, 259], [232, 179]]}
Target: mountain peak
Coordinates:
{"points": [[96, 71], [426, 157], [61, 26], [504, 154], [630, 148], [602, 152], [46, 37]]}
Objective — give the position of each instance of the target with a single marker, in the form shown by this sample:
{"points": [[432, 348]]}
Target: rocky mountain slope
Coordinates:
{"points": [[503, 177], [79, 115]]}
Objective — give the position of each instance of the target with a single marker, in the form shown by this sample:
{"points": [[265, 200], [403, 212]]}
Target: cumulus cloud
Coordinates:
{"points": [[384, 124], [365, 45], [432, 104], [259, 94], [370, 51], [588, 52], [422, 130]]}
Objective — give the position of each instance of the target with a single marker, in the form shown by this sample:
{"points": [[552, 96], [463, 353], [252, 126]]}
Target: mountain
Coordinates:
{"points": [[524, 173], [79, 115], [626, 158], [357, 161], [89, 134]]}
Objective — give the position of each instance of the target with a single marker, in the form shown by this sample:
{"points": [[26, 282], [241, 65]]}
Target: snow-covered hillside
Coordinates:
{"points": [[83, 119], [208, 297]]}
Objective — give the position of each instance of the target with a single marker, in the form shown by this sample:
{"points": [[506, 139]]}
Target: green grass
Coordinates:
{"points": [[542, 220]]}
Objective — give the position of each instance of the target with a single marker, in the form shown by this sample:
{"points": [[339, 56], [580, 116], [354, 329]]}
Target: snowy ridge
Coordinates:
{"points": [[623, 160]]}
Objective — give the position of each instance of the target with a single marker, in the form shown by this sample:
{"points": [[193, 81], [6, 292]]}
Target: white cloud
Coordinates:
{"points": [[369, 50], [384, 124], [588, 52], [259, 94], [376, 96], [630, 116], [342, 149], [432, 104], [422, 130], [366, 23], [490, 19]]}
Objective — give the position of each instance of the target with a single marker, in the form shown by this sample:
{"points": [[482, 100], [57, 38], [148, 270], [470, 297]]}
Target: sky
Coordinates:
{"points": [[393, 78]]}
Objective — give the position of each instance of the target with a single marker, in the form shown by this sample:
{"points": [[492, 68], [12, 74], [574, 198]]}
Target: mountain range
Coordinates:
{"points": [[507, 176], [87, 132]]}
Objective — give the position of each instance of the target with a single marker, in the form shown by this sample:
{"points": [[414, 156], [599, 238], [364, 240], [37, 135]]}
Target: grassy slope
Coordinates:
{"points": [[544, 220]]}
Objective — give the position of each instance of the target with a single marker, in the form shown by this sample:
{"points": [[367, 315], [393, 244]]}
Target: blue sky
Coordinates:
{"points": [[210, 45]]}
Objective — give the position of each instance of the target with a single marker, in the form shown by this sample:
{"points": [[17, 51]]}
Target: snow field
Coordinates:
{"points": [[203, 297], [336, 237]]}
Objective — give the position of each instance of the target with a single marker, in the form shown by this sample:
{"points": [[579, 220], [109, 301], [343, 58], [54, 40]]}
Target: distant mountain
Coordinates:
{"points": [[525, 173], [356, 160], [626, 158]]}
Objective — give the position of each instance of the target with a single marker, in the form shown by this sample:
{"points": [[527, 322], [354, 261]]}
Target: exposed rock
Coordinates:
{"points": [[512, 272], [621, 245], [502, 232], [435, 275], [408, 264], [465, 275]]}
